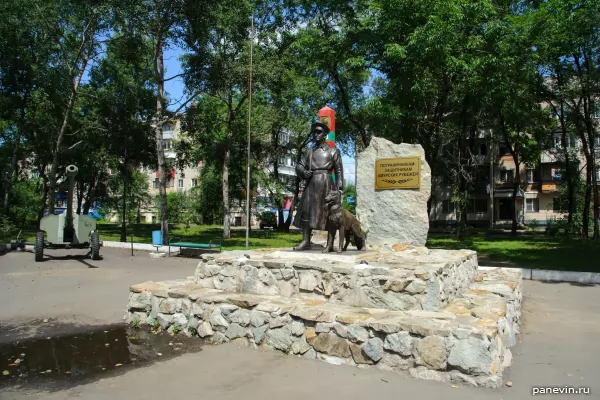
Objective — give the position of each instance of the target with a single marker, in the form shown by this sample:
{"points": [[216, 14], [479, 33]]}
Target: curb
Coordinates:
{"points": [[136, 246], [544, 275]]}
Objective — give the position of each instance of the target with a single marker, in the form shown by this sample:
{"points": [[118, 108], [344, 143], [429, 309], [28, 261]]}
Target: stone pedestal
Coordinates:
{"points": [[392, 216], [430, 313]]}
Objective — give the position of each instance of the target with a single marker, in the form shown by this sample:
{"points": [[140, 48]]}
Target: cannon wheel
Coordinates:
{"points": [[39, 246], [95, 244]]}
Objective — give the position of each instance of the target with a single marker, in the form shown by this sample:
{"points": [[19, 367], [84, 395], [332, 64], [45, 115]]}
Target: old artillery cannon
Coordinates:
{"points": [[68, 230]]}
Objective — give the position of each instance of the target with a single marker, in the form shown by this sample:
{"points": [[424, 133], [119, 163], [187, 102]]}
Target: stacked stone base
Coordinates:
{"points": [[466, 341]]}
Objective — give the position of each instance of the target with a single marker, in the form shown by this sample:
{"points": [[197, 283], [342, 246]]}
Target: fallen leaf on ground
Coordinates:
{"points": [[118, 365], [68, 372], [5, 373], [453, 386]]}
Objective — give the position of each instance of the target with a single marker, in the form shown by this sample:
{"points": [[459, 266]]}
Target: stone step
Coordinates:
{"points": [[413, 279], [467, 342]]}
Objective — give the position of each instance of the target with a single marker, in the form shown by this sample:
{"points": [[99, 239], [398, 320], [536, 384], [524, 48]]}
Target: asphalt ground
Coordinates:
{"points": [[559, 346]]}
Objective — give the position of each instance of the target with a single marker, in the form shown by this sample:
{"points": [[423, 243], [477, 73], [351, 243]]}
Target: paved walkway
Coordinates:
{"points": [[560, 342]]}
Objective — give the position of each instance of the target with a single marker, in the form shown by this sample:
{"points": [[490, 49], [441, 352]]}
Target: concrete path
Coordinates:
{"points": [[560, 342]]}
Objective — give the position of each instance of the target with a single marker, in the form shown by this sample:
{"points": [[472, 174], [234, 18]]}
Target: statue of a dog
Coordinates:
{"points": [[343, 221]]}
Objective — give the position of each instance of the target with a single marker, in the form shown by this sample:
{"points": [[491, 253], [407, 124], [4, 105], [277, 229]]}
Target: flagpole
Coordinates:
{"points": [[248, 216]]}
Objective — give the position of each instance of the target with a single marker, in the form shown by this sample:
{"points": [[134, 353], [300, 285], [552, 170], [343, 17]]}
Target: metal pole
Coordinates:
{"points": [[492, 181], [248, 216]]}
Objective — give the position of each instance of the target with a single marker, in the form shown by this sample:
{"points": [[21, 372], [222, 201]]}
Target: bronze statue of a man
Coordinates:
{"points": [[315, 168]]}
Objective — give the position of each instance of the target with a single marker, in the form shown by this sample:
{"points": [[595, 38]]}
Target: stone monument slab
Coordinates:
{"points": [[393, 214]]}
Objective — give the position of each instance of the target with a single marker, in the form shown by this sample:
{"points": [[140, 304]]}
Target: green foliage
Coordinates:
{"points": [[25, 201], [135, 323], [532, 225], [349, 191], [192, 331], [531, 251], [7, 230], [183, 207]]}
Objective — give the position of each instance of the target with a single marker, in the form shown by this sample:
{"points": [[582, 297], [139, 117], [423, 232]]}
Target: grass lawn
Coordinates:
{"points": [[501, 250], [203, 234], [527, 251]]}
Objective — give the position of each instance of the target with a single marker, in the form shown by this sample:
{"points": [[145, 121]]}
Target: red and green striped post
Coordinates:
{"points": [[327, 117]]}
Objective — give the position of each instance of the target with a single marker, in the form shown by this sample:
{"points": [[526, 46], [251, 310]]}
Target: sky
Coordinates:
{"points": [[175, 89]]}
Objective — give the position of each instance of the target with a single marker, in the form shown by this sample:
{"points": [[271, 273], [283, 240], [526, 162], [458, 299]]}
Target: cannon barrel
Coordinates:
{"points": [[72, 170], [69, 230]]}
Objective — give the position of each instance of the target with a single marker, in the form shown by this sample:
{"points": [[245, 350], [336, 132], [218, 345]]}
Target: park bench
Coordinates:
{"points": [[200, 246]]}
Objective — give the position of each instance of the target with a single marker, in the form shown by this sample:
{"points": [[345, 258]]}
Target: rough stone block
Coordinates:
{"points": [[373, 348], [392, 216], [280, 339], [330, 343], [401, 343], [432, 352]]}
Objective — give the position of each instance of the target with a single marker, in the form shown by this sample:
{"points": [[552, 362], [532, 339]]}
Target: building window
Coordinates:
{"points": [[556, 174], [557, 142], [478, 206], [482, 149], [166, 144], [166, 128], [530, 175], [448, 207], [155, 184], [194, 183], [180, 183], [285, 138], [533, 205], [507, 176], [502, 150]]}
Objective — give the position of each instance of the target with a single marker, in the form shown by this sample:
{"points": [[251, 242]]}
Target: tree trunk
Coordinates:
{"points": [[80, 190], [517, 185], [61, 133], [225, 179], [571, 204], [89, 198], [289, 219], [596, 200], [159, 71], [124, 207], [586, 205], [11, 170], [44, 196]]}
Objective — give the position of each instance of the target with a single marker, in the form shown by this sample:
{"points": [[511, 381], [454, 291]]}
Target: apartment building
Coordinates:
{"points": [[286, 169], [179, 180], [491, 198]]}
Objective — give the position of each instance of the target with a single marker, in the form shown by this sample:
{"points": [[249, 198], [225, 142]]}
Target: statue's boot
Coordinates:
{"points": [[306, 233]]}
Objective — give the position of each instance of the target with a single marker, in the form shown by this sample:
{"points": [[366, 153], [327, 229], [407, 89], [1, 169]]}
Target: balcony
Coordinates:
{"points": [[549, 187]]}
